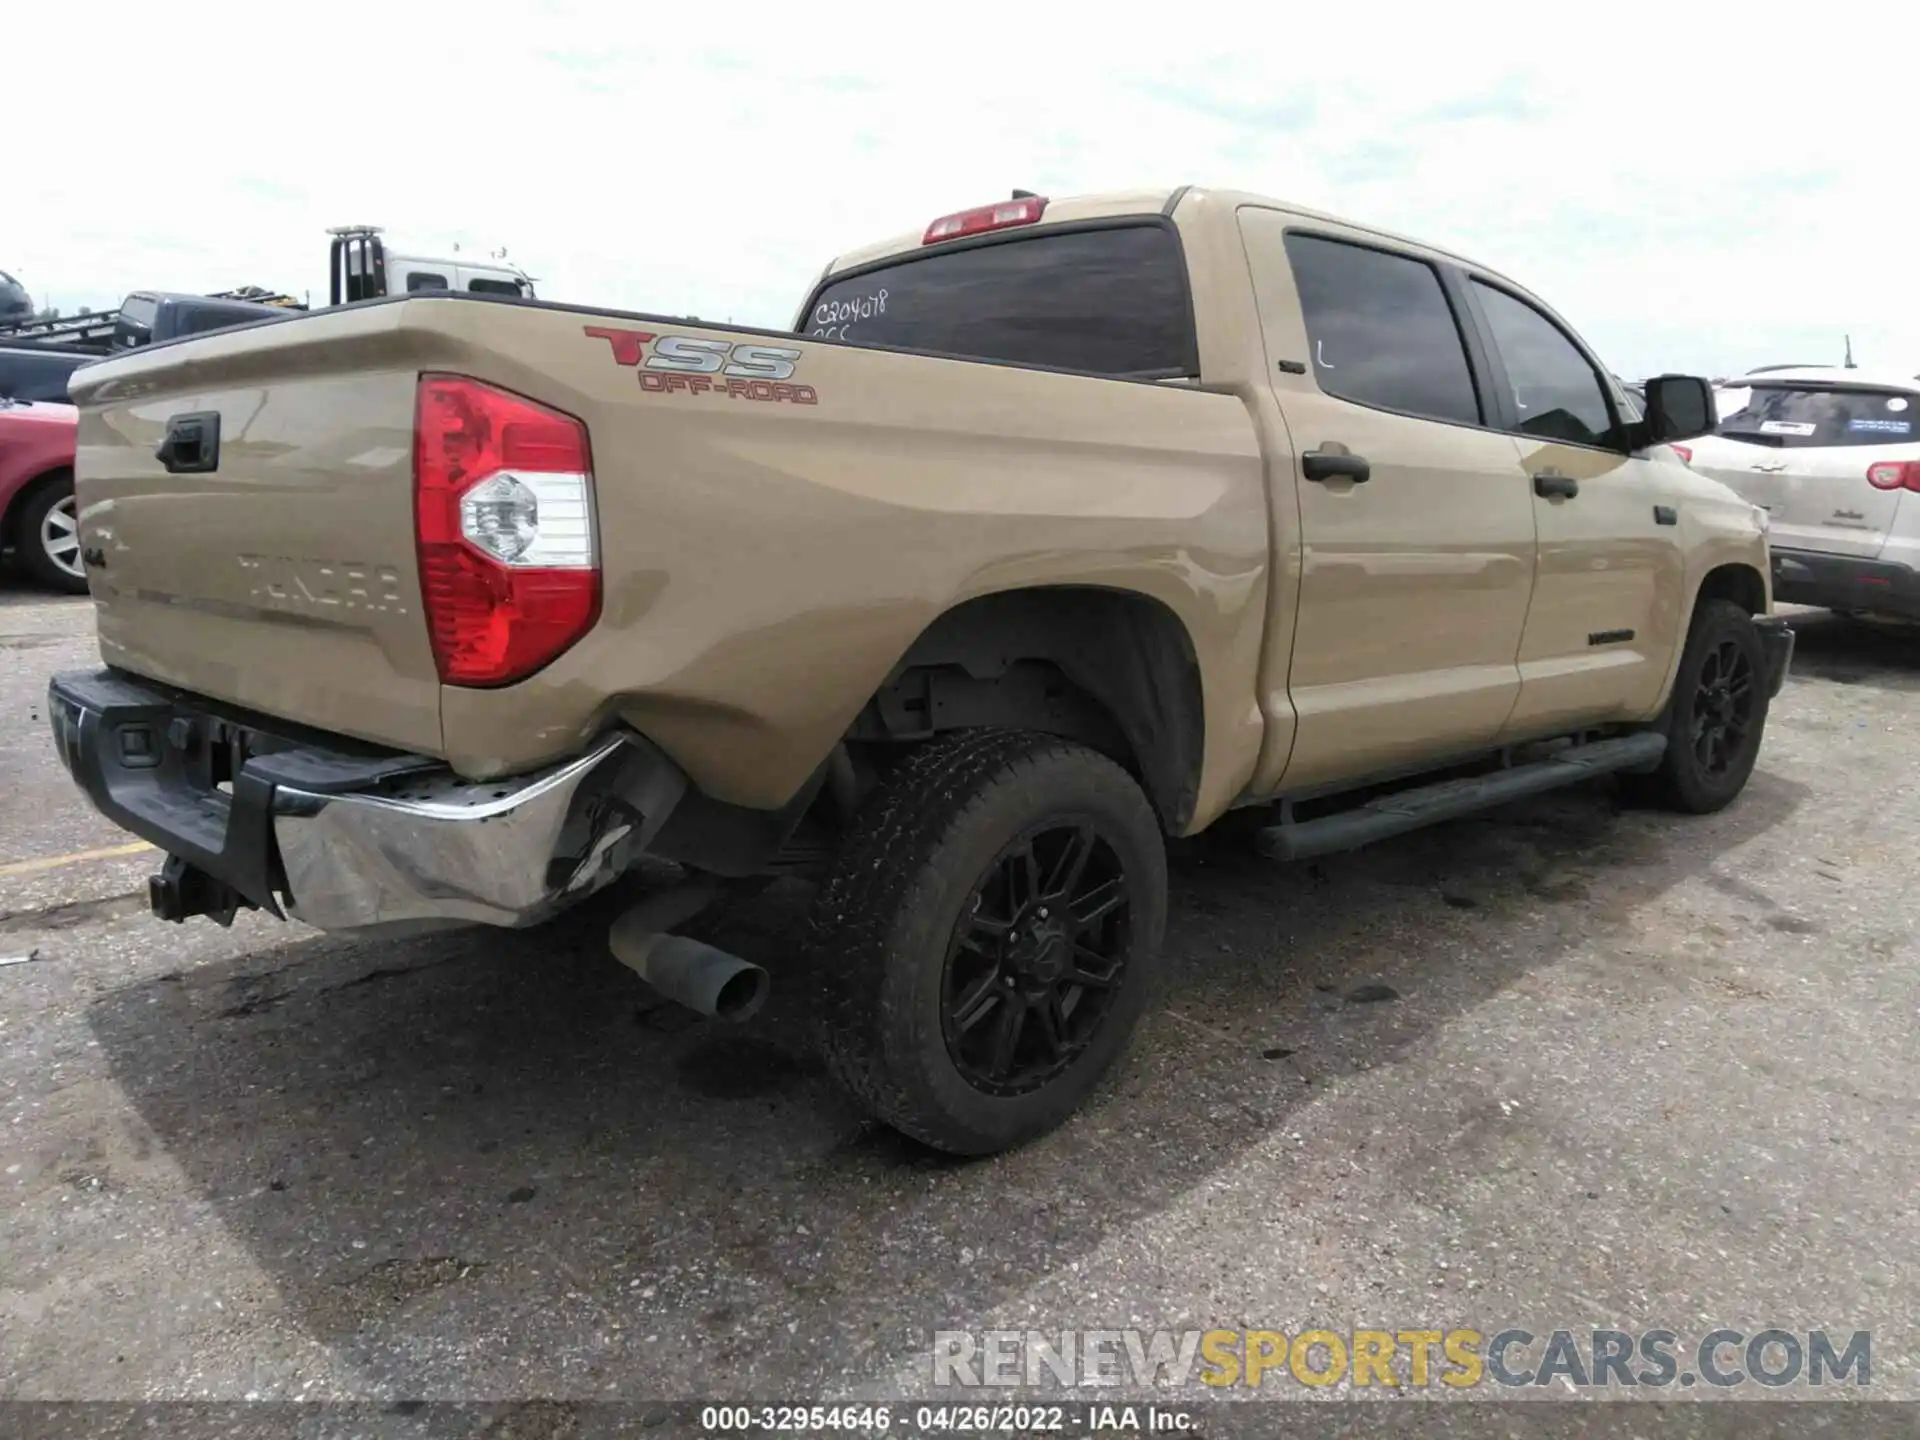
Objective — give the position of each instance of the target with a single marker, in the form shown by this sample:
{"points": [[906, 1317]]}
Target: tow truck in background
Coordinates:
{"points": [[363, 266]]}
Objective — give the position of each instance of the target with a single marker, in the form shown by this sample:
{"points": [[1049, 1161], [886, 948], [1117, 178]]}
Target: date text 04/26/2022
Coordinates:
{"points": [[938, 1419]]}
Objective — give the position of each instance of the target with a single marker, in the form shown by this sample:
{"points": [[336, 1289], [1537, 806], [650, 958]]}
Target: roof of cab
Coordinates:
{"points": [[1108, 205]]}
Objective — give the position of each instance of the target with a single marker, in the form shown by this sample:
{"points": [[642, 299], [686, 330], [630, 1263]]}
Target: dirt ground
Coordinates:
{"points": [[1624, 1069]]}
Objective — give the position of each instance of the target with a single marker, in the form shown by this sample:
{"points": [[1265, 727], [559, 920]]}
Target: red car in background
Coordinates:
{"points": [[38, 522]]}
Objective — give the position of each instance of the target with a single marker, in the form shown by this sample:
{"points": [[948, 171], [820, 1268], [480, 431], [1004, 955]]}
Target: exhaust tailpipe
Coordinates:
{"points": [[690, 972]]}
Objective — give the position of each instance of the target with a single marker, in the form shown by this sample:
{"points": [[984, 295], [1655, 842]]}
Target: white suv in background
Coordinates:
{"points": [[1833, 455]]}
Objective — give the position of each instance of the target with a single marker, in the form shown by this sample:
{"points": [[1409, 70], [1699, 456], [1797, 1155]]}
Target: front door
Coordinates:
{"points": [[1608, 600], [1416, 524]]}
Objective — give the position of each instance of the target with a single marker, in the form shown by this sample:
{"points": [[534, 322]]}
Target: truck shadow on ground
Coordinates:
{"points": [[485, 1163], [1850, 652]]}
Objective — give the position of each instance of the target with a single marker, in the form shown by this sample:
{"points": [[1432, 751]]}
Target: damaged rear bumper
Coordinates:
{"points": [[347, 839]]}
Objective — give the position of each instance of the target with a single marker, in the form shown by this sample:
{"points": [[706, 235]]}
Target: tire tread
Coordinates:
{"points": [[882, 862]]}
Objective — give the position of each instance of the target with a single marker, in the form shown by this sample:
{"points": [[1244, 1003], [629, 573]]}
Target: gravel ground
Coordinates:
{"points": [[1623, 1069]]}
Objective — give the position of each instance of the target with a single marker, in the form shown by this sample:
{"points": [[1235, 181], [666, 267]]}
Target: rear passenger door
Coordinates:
{"points": [[1414, 579], [1608, 606]]}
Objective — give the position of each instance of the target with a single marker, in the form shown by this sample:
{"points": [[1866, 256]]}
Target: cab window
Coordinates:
{"points": [[1381, 330], [425, 280], [1557, 394]]}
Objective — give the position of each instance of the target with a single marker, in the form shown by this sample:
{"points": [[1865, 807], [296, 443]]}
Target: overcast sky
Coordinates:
{"points": [[1700, 191]]}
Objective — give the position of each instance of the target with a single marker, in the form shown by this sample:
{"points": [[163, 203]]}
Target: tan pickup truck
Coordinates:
{"points": [[1051, 531]]}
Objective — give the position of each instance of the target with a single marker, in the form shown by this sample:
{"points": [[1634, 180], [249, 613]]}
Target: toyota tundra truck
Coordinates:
{"points": [[1046, 533]]}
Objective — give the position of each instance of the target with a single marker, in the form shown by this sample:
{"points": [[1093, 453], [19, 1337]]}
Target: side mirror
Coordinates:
{"points": [[1679, 407]]}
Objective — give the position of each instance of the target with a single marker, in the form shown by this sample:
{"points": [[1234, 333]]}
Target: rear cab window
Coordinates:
{"points": [[1107, 300], [138, 315], [1809, 416]]}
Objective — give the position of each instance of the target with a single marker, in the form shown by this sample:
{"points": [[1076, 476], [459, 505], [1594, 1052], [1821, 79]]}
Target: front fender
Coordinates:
{"points": [[1724, 540]]}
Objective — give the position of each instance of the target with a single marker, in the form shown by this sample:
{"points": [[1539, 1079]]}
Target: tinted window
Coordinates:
{"points": [[140, 309], [1109, 302], [1558, 394], [1794, 417], [1381, 329], [494, 287], [197, 320], [425, 280]]}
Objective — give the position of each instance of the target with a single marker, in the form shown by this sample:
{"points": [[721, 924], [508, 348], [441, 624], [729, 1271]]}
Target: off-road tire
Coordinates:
{"points": [[1684, 782], [886, 925], [28, 550]]}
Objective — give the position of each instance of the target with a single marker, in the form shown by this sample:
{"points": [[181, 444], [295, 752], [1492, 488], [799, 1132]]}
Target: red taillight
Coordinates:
{"points": [[1895, 475], [1027, 210], [1685, 452], [503, 515]]}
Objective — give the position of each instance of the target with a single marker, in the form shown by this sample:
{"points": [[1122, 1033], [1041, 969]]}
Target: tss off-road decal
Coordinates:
{"points": [[694, 366]]}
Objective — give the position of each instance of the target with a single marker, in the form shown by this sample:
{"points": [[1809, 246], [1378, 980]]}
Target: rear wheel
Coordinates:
{"points": [[987, 938], [1716, 717], [48, 540]]}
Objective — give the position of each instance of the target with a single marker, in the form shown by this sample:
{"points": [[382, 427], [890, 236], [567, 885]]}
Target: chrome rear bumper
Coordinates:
{"points": [[444, 850], [349, 840]]}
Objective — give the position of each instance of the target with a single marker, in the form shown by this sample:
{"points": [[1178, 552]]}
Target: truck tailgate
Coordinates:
{"points": [[284, 578]]}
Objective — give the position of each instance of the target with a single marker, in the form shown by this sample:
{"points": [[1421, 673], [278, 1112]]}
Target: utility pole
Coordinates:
{"points": [[1850, 365]]}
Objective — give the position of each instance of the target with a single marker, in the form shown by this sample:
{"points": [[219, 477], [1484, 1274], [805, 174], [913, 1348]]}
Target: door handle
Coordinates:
{"points": [[1324, 465], [1549, 486], [192, 446]]}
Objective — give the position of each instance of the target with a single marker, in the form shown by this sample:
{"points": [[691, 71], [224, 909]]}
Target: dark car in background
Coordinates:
{"points": [[15, 303], [145, 317], [39, 372]]}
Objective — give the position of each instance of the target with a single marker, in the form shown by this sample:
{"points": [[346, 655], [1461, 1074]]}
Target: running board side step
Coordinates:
{"points": [[1427, 804]]}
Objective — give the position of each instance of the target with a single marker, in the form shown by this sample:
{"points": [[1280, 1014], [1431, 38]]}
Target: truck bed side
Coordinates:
{"points": [[769, 550]]}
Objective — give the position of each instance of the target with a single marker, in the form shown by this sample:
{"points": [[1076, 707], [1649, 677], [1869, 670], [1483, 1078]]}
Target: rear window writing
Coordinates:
{"points": [[1801, 417], [1107, 301]]}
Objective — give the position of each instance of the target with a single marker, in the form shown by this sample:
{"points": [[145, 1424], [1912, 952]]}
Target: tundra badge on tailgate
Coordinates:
{"points": [[694, 366]]}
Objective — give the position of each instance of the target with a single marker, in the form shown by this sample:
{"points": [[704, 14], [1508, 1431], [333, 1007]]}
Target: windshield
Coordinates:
{"points": [[1792, 417], [1108, 301]]}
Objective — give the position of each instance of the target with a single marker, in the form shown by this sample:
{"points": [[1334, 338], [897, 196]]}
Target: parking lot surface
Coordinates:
{"points": [[1561, 1066]]}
